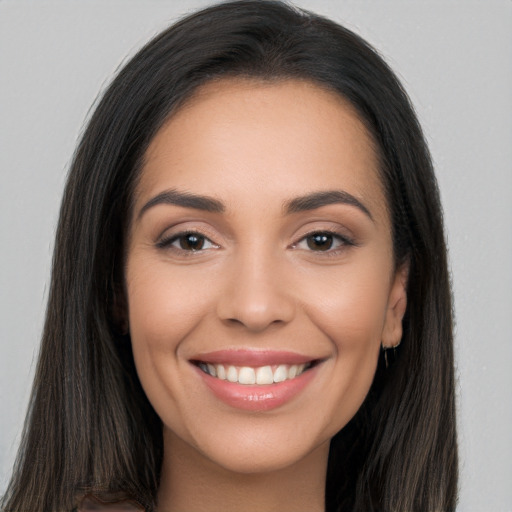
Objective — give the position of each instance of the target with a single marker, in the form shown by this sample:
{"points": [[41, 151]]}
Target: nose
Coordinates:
{"points": [[256, 294]]}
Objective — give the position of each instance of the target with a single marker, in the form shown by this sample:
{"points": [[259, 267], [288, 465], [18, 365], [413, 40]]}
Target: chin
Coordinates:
{"points": [[252, 458]]}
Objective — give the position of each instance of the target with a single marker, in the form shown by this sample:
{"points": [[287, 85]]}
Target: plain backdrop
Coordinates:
{"points": [[455, 59]]}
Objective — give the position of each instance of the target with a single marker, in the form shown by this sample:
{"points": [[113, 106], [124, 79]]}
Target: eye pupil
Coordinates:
{"points": [[191, 242], [320, 241]]}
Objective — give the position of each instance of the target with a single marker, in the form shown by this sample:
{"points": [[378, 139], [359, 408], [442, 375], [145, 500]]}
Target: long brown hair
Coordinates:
{"points": [[90, 428]]}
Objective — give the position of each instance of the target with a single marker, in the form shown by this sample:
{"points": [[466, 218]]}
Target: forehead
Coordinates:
{"points": [[242, 138]]}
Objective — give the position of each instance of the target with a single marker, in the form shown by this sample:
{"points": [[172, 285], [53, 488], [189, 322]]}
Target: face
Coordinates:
{"points": [[259, 276]]}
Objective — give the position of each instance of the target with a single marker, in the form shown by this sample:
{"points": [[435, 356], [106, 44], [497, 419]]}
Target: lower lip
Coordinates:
{"points": [[254, 397]]}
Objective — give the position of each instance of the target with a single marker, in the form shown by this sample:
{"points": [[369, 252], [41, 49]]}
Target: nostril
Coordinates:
{"points": [[253, 324]]}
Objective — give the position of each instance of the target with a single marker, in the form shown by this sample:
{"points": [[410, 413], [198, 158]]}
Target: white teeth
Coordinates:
{"points": [[281, 373], [221, 371], [211, 370], [246, 375], [232, 374], [264, 375]]}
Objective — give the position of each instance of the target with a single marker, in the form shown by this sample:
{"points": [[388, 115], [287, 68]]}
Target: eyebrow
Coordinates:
{"points": [[296, 205], [185, 200], [324, 198]]}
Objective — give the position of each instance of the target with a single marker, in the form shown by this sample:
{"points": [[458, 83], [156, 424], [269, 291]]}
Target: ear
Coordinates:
{"points": [[397, 304]]}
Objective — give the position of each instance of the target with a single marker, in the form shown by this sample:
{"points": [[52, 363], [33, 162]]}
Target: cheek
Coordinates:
{"points": [[349, 305], [164, 304]]}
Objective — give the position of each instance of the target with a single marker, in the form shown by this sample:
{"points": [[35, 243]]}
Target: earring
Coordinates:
{"points": [[386, 349]]}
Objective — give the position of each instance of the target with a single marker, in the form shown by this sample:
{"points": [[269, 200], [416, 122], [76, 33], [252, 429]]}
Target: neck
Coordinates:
{"points": [[192, 483]]}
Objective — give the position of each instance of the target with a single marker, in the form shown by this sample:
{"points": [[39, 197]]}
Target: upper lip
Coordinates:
{"points": [[255, 358]]}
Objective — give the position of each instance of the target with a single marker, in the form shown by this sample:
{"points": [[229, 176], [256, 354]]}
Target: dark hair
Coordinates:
{"points": [[90, 428]]}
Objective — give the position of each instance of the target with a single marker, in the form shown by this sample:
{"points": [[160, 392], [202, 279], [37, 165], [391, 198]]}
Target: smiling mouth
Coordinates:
{"points": [[248, 375], [255, 380]]}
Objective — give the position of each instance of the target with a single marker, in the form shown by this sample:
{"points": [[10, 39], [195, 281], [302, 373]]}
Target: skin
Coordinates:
{"points": [[257, 284]]}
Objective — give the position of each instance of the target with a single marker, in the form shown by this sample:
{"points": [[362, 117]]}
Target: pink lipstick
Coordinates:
{"points": [[255, 380]]}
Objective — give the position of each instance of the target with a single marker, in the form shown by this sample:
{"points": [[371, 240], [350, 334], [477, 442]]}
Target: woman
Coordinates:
{"points": [[250, 293]]}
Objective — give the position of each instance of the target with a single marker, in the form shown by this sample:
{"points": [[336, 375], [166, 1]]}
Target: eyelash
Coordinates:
{"points": [[167, 243], [343, 241]]}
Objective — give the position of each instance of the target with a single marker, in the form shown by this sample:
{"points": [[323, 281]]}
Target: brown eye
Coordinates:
{"points": [[320, 241], [191, 242], [326, 242], [187, 242]]}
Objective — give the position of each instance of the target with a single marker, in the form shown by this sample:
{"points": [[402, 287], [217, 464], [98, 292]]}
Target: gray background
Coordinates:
{"points": [[455, 58]]}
